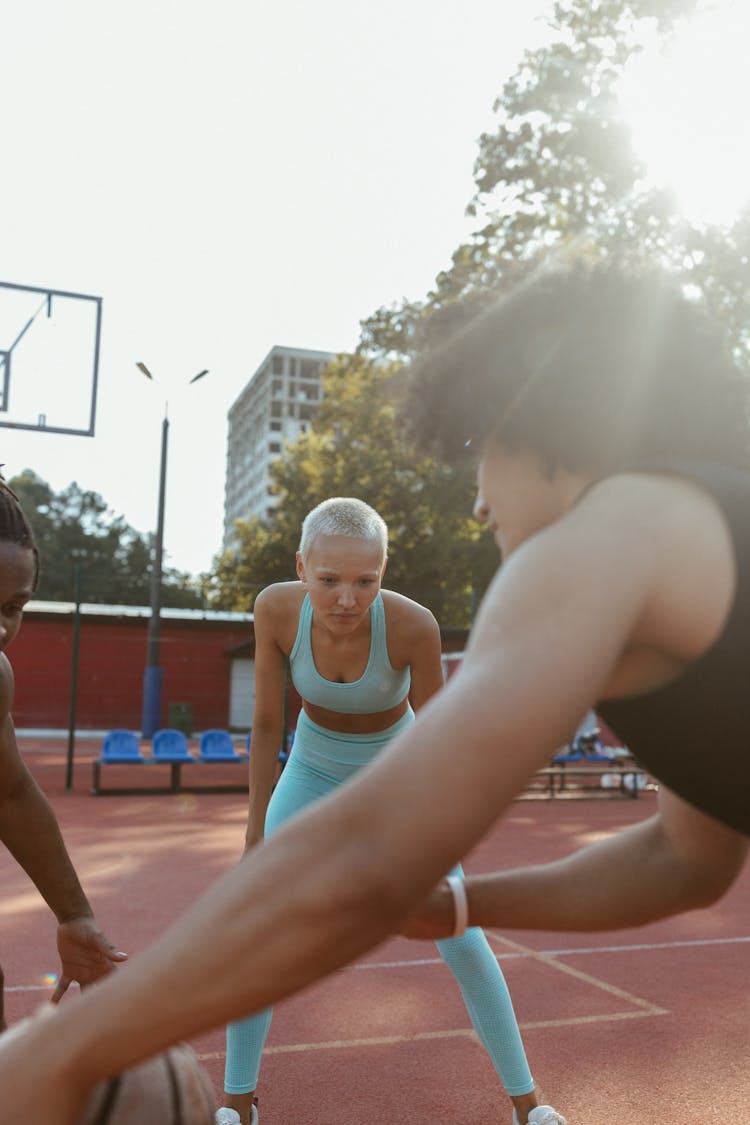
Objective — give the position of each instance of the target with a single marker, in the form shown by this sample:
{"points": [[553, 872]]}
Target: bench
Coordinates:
{"points": [[170, 749], [567, 775]]}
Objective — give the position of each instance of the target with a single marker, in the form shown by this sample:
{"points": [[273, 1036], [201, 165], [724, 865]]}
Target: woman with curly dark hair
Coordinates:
{"points": [[610, 426]]}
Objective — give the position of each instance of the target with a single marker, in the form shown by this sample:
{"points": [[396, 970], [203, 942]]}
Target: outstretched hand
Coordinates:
{"points": [[86, 954]]}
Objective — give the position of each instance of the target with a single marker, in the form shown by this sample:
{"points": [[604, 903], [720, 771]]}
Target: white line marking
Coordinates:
{"points": [[421, 1036], [635, 948], [523, 954]]}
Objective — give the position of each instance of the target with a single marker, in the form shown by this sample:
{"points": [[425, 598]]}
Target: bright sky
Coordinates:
{"points": [[227, 177], [237, 175], [688, 109]]}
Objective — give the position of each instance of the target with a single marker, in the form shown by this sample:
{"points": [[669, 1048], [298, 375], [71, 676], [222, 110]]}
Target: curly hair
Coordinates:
{"points": [[592, 367], [15, 527]]}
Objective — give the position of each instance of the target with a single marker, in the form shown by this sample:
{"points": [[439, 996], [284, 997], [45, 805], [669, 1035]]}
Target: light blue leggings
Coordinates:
{"points": [[321, 760]]}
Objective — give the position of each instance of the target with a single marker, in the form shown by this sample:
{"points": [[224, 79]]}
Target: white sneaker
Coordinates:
{"points": [[542, 1115], [225, 1116]]}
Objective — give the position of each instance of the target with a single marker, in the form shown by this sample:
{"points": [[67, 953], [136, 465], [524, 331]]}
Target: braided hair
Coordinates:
{"points": [[14, 526]]}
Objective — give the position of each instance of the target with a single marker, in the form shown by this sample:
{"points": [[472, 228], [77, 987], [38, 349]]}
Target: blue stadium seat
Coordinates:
{"points": [[121, 746], [218, 746], [170, 745]]}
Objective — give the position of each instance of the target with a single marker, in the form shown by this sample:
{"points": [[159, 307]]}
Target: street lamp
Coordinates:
{"points": [[153, 675]]}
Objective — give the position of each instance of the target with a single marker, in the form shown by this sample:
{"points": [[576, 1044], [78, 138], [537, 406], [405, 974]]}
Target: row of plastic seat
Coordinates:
{"points": [[171, 745]]}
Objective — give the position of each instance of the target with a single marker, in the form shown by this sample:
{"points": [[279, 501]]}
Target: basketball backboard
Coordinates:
{"points": [[49, 359]]}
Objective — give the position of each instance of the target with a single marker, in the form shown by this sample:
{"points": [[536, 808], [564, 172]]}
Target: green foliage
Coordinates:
{"points": [[80, 539], [354, 448], [560, 171]]}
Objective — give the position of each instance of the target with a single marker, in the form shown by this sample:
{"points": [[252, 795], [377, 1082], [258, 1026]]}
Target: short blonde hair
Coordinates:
{"points": [[343, 515]]}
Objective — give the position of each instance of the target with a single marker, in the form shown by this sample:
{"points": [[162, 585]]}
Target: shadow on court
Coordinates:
{"points": [[640, 1026]]}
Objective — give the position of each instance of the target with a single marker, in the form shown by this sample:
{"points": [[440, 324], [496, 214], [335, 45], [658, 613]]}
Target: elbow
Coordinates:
{"points": [[705, 884], [708, 887]]}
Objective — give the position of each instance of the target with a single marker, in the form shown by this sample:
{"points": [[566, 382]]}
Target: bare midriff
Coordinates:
{"points": [[356, 724]]}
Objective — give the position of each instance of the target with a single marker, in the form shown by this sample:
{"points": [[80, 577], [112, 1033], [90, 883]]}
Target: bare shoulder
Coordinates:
{"points": [[624, 572], [6, 686], [402, 612], [664, 507], [276, 615], [279, 601]]}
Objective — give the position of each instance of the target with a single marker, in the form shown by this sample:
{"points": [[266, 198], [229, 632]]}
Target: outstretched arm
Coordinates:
{"points": [[678, 860], [30, 831], [343, 875]]}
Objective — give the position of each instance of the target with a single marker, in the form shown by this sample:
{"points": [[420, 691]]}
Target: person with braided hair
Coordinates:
{"points": [[28, 827]]}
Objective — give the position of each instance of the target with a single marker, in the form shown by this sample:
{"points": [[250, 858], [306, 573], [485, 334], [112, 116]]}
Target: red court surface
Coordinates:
{"points": [[647, 1026]]}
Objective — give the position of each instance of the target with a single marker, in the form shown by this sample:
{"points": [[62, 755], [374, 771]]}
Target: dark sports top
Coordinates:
{"points": [[380, 686], [693, 734]]}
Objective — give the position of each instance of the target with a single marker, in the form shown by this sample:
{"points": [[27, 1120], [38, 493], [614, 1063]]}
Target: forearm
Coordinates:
{"points": [[264, 754], [30, 831], [628, 880], [329, 885], [230, 956]]}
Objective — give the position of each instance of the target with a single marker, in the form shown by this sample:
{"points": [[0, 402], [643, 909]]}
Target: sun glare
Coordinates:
{"points": [[687, 107]]}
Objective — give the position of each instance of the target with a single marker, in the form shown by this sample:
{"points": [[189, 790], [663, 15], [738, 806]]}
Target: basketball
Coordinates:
{"points": [[169, 1089]]}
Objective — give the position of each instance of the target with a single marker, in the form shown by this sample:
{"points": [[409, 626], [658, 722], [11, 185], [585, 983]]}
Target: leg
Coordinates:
{"points": [[297, 788], [488, 1002], [245, 1040]]}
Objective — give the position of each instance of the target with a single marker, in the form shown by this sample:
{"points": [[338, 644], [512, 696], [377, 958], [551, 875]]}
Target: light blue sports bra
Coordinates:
{"points": [[380, 686]]}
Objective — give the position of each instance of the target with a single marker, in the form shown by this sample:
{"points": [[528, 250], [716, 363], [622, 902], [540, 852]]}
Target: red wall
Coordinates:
{"points": [[112, 658]]}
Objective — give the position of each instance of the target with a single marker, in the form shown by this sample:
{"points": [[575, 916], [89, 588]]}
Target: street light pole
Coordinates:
{"points": [[154, 673]]}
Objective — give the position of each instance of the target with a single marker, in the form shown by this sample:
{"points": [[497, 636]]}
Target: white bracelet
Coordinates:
{"points": [[457, 888]]}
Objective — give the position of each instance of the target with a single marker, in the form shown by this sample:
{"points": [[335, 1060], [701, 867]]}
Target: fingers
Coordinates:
{"points": [[116, 954], [107, 949], [61, 988]]}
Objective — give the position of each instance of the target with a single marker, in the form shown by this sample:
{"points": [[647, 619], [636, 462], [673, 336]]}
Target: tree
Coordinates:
{"points": [[354, 447], [561, 171], [75, 530]]}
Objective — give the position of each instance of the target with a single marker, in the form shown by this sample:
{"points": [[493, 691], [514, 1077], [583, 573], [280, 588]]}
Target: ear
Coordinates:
{"points": [[301, 569]]}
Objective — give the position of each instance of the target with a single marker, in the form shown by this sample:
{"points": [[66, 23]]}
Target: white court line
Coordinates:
{"points": [[508, 956], [567, 970], [421, 1036], [527, 952]]}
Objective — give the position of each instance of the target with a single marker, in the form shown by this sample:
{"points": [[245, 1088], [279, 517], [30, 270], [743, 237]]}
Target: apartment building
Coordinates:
{"points": [[277, 405]]}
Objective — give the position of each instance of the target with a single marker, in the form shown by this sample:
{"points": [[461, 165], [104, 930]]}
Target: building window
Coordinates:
{"points": [[289, 410], [275, 409], [309, 369], [276, 427], [274, 447], [278, 364], [276, 387], [305, 411]]}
